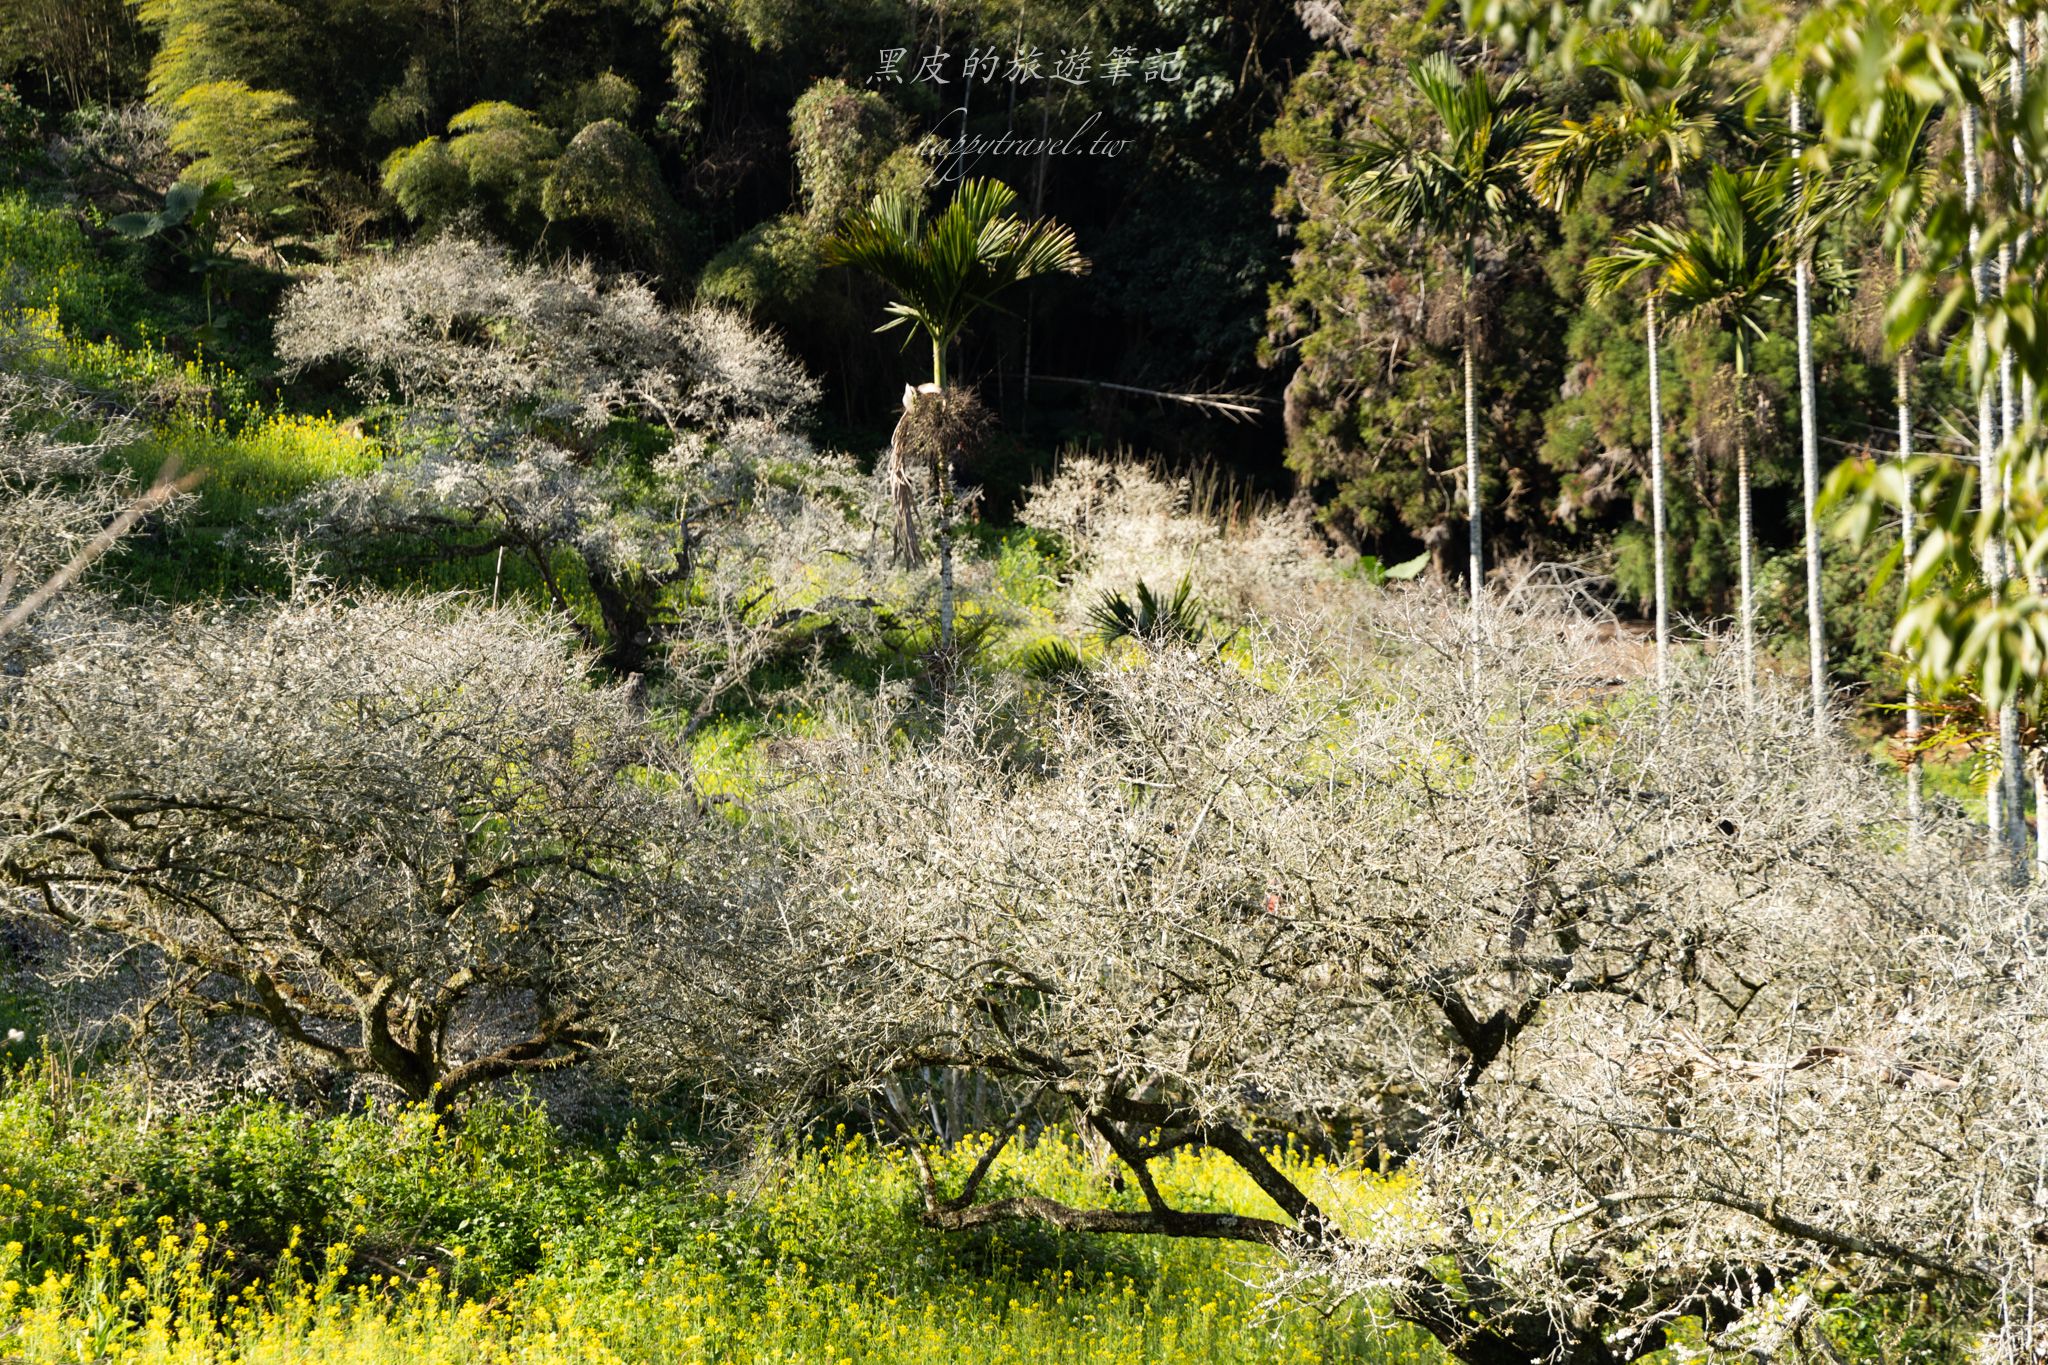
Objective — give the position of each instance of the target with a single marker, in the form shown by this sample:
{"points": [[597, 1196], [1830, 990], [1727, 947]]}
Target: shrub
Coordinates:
{"points": [[325, 889], [430, 185], [20, 133], [842, 138], [1194, 900], [605, 96], [47, 262], [262, 1234], [254, 137], [607, 179], [1122, 522], [264, 462], [1175, 620], [767, 272], [506, 152]]}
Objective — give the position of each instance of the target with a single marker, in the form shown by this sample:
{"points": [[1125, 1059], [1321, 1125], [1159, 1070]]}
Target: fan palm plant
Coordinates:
{"points": [[1460, 183], [943, 270], [1153, 617], [1729, 270], [1664, 117]]}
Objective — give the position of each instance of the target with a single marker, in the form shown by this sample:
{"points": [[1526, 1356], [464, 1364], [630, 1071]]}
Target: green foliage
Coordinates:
{"points": [[1467, 187], [849, 145], [146, 374], [189, 224], [1666, 117], [605, 96], [594, 1245], [1202, 288], [260, 461], [1964, 632], [20, 134], [401, 1186], [1150, 618], [768, 272], [506, 152], [430, 185], [1050, 659], [1731, 269], [201, 41], [200, 412], [1372, 414], [83, 51], [47, 262], [503, 160], [188, 208], [1369, 569], [370, 73], [1028, 567], [783, 26], [406, 109], [254, 462], [843, 138], [255, 138], [1860, 602], [607, 180]]}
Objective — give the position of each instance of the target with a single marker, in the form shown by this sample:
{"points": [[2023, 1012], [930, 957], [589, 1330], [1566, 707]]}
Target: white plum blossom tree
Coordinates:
{"points": [[514, 380], [1635, 991], [368, 826]]}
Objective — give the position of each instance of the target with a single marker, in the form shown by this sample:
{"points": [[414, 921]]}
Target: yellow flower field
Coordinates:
{"points": [[499, 1239]]}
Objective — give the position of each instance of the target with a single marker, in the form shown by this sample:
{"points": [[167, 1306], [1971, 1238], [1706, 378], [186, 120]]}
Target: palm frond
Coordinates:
{"points": [[1559, 160], [1646, 250], [1463, 179], [943, 268], [1727, 269], [1150, 618], [1053, 658]]}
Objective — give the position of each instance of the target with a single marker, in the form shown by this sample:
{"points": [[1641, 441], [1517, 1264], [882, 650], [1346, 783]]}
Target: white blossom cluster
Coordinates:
{"points": [[1639, 991]]}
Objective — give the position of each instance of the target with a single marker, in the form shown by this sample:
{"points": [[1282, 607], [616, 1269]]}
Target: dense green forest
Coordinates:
{"points": [[967, 680]]}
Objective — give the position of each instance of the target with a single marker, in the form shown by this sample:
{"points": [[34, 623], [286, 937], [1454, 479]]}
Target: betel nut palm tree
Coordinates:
{"points": [[942, 270], [1460, 183]]}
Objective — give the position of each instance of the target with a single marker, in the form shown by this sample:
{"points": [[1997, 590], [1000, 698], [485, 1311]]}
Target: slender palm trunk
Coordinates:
{"points": [[2011, 761], [2012, 770], [1907, 548], [2011, 764], [1744, 540], [1997, 803], [1478, 564], [1809, 451], [944, 475], [1663, 596], [1478, 571]]}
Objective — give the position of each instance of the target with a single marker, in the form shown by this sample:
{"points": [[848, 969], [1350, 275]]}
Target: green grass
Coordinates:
{"points": [[255, 455], [261, 1233], [48, 262]]}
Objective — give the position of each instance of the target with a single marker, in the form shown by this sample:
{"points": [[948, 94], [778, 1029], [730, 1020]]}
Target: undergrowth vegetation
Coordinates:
{"points": [[78, 312], [257, 1233]]}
